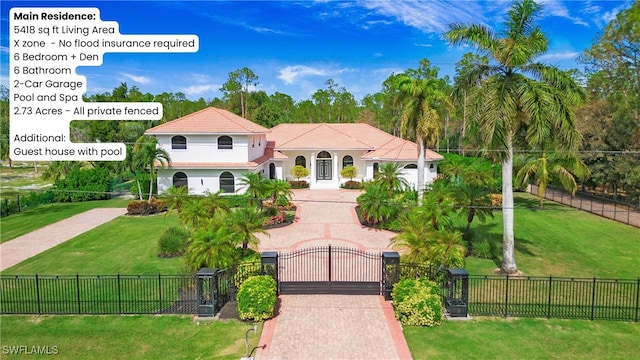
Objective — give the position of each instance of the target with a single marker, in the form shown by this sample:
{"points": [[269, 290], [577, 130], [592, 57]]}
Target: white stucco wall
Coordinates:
{"points": [[204, 148], [199, 180]]}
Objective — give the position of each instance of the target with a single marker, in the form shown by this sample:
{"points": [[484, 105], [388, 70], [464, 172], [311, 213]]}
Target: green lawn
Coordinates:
{"points": [[125, 245], [563, 241], [128, 337], [32, 219], [487, 338]]}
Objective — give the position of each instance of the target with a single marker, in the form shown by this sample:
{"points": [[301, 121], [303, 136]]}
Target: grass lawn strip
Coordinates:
{"points": [[128, 337], [492, 338]]}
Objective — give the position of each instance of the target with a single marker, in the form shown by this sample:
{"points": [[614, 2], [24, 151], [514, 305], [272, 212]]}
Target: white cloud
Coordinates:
{"points": [[199, 89], [4, 49], [428, 16], [555, 8], [423, 45], [291, 74], [566, 55], [137, 78]]}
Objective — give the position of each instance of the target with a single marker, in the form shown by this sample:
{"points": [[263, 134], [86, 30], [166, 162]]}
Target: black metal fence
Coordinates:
{"points": [[611, 209], [568, 298]]}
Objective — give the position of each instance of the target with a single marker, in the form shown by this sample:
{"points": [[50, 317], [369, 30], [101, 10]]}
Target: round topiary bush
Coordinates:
{"points": [[257, 298], [173, 242], [416, 302]]}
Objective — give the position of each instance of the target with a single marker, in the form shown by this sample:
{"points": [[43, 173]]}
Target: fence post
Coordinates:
{"points": [[78, 287], [38, 294], [549, 304], [593, 298], [390, 260], [637, 298], [506, 297], [119, 296], [159, 292]]}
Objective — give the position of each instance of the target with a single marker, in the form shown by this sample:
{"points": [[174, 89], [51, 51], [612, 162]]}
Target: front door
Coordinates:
{"points": [[324, 169]]}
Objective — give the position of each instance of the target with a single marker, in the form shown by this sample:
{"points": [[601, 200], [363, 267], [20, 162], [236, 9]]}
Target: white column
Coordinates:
{"points": [[312, 167], [335, 168]]}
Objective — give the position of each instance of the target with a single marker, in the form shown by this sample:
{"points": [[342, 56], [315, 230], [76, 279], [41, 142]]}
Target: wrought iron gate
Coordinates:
{"points": [[330, 270]]}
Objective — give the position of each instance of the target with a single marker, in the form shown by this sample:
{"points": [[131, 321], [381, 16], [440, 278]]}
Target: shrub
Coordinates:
{"points": [[83, 185], [349, 172], [257, 298], [299, 171], [173, 242], [299, 184], [352, 185], [144, 207], [416, 302], [496, 200], [482, 248]]}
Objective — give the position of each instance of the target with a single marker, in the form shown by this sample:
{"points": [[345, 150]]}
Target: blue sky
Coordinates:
{"points": [[296, 46]]}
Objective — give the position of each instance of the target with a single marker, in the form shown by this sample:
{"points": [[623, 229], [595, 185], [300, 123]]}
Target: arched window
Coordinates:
{"points": [[301, 160], [431, 166], [411, 166], [324, 155], [376, 169], [227, 182], [272, 171], [178, 142], [347, 161], [225, 142], [180, 179]]}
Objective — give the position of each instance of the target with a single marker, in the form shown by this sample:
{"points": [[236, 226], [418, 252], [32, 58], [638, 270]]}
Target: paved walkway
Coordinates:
{"points": [[325, 217], [23, 247], [330, 326]]}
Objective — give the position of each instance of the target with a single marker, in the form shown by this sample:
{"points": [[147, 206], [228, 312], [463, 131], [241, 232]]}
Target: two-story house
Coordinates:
{"points": [[212, 148]]}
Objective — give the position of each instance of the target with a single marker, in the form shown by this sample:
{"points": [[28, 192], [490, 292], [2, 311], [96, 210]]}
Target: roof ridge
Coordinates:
{"points": [[348, 135], [311, 128], [225, 115]]}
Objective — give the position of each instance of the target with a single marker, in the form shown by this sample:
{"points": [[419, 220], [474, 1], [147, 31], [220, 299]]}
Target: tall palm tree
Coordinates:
{"points": [[147, 154], [543, 167], [245, 222], [424, 101], [516, 95]]}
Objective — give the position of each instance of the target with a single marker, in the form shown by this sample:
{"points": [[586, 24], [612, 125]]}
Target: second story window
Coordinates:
{"points": [[225, 142], [178, 142]]}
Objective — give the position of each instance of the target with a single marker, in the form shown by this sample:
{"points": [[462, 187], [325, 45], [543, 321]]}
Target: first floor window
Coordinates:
{"points": [[180, 179], [227, 182], [347, 161], [300, 160]]}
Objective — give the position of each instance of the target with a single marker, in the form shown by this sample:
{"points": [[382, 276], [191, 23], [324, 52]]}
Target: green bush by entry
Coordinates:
{"points": [[257, 298], [416, 302], [173, 241]]}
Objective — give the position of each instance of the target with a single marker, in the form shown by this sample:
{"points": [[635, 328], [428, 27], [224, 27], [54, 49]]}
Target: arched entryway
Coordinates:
{"points": [[323, 166]]}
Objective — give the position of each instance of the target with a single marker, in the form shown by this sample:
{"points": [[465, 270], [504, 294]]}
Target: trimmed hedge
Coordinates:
{"points": [[257, 298], [144, 207], [416, 302]]}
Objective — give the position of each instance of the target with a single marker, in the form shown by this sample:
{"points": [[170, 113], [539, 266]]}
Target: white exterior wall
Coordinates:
{"points": [[199, 180], [204, 148], [256, 146]]}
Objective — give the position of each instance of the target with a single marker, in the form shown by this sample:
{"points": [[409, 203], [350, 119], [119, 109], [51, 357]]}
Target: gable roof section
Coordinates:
{"points": [[400, 150], [330, 136], [209, 121]]}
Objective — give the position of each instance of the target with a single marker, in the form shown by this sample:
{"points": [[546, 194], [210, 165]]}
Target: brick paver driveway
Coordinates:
{"points": [[330, 326], [325, 217]]}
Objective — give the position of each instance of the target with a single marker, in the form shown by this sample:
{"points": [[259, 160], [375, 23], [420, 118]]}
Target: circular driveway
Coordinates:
{"points": [[325, 217]]}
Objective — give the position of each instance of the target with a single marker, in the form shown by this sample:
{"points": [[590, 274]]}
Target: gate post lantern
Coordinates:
{"points": [[390, 272], [457, 292], [207, 292]]}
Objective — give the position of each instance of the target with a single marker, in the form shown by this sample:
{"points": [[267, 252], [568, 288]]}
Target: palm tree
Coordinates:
{"points": [[279, 191], [390, 176], [245, 222], [194, 213], [473, 200], [174, 197], [424, 100], [543, 167], [147, 153], [516, 95], [214, 247], [376, 204], [215, 202], [256, 186]]}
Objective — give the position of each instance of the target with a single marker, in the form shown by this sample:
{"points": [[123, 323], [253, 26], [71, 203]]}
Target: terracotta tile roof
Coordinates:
{"points": [[400, 150], [209, 121], [219, 165]]}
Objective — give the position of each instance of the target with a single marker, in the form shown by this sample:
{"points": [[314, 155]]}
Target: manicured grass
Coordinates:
{"points": [[128, 337], [125, 245], [487, 338], [32, 219], [562, 241]]}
